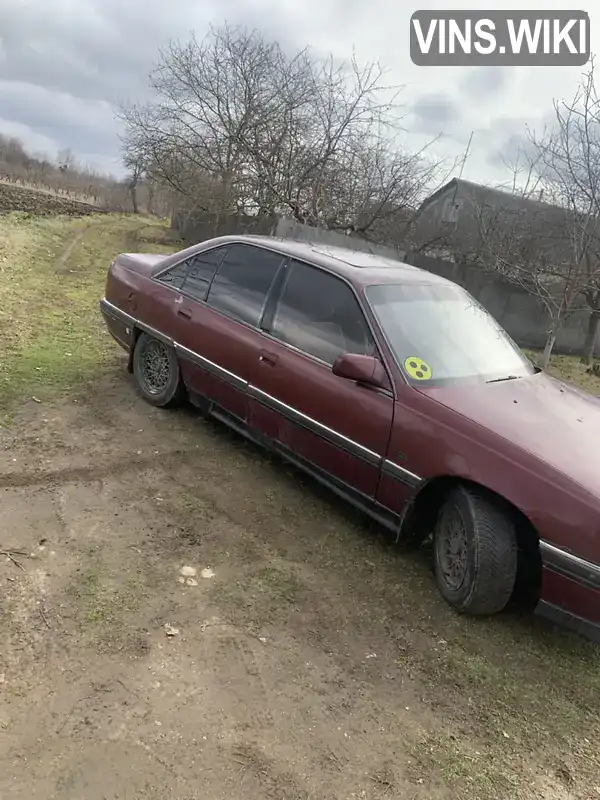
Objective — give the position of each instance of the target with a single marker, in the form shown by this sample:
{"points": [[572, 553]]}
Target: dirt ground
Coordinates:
{"points": [[301, 655], [305, 667], [30, 200]]}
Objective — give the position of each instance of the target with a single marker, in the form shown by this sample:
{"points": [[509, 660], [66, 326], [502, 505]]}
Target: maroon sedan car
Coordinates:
{"points": [[396, 389]]}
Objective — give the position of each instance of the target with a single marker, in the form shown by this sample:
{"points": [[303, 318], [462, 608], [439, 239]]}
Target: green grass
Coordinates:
{"points": [[476, 774], [52, 276], [101, 601]]}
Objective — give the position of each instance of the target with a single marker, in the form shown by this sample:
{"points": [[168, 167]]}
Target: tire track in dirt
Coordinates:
{"points": [[97, 472], [61, 268], [61, 264]]}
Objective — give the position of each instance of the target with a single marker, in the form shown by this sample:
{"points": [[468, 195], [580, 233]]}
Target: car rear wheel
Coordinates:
{"points": [[475, 553], [156, 371]]}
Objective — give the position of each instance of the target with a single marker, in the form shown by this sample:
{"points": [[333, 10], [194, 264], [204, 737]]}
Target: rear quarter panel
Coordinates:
{"points": [[120, 284], [130, 288]]}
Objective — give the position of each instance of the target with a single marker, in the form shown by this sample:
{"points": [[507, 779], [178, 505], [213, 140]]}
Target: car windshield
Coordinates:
{"points": [[440, 335]]}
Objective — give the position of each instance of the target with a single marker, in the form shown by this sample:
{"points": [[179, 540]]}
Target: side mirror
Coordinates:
{"points": [[362, 369]]}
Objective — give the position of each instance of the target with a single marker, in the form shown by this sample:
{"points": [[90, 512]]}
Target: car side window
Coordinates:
{"points": [[201, 271], [319, 314], [242, 282], [176, 275]]}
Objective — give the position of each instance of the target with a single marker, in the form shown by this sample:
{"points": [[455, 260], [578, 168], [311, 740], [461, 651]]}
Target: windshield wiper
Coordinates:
{"points": [[507, 378]]}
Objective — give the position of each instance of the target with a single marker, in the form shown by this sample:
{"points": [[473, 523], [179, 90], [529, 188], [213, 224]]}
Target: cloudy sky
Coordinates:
{"points": [[66, 64]]}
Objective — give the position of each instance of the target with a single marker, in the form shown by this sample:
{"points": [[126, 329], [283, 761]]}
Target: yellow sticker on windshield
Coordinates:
{"points": [[417, 369]]}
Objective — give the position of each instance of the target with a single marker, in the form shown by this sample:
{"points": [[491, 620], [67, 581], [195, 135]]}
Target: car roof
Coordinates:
{"points": [[357, 266]]}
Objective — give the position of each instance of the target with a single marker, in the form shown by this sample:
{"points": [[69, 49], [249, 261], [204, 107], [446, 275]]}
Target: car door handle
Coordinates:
{"points": [[184, 313], [270, 359]]}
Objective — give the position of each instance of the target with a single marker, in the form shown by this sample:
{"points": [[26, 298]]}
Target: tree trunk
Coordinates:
{"points": [[548, 347], [133, 193], [151, 199], [587, 357]]}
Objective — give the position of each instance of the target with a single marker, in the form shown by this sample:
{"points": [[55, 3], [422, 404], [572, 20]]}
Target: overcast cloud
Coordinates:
{"points": [[65, 65]]}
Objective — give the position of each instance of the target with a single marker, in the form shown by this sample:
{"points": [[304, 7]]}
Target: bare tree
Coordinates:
{"points": [[208, 93], [546, 237], [569, 158], [539, 250], [241, 126], [136, 167]]}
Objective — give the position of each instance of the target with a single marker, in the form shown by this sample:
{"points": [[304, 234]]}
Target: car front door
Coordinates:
{"points": [[220, 314], [332, 424]]}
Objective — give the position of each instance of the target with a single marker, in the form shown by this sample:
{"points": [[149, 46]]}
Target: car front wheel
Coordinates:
{"points": [[475, 553], [156, 371]]}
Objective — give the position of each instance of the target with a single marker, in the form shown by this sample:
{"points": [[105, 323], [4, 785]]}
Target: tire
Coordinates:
{"points": [[475, 553], [156, 372]]}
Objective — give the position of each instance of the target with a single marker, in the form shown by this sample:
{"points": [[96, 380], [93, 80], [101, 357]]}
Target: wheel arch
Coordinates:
{"points": [[177, 393], [421, 517], [135, 335]]}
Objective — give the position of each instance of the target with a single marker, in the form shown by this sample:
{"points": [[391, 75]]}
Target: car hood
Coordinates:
{"points": [[550, 419]]}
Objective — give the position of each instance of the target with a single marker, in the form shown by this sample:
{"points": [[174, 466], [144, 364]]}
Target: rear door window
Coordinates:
{"points": [[201, 271], [176, 275], [242, 282]]}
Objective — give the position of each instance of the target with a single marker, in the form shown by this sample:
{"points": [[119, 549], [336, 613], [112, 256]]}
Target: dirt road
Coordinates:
{"points": [[306, 658]]}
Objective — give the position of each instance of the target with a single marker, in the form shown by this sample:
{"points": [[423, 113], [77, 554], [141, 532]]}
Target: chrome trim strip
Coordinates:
{"points": [[400, 473], [202, 250], [210, 366], [295, 349], [125, 345], [316, 427], [153, 332], [116, 313], [570, 565], [345, 443], [316, 359]]}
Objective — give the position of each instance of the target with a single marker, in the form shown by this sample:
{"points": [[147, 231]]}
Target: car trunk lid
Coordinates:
{"points": [[143, 263]]}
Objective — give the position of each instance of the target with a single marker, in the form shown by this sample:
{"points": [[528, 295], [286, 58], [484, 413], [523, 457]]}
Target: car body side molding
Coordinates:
{"points": [[570, 566], [387, 466]]}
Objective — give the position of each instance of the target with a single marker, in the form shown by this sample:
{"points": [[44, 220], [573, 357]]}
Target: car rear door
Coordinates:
{"points": [[173, 306], [219, 309], [333, 425]]}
